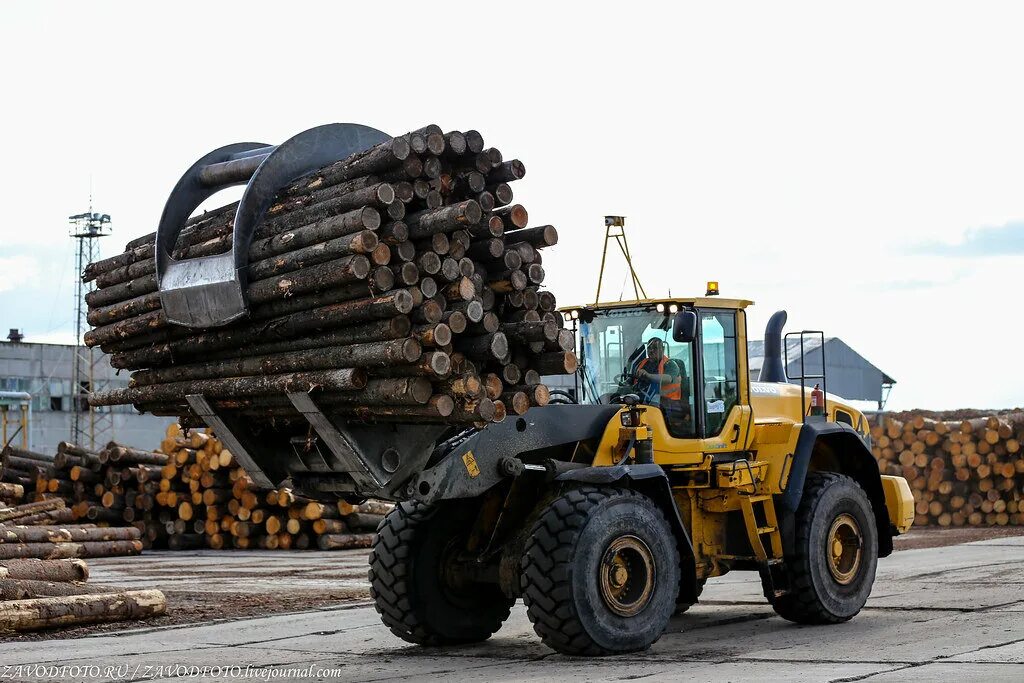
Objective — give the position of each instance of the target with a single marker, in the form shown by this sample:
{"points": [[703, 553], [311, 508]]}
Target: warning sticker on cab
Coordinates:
{"points": [[471, 466]]}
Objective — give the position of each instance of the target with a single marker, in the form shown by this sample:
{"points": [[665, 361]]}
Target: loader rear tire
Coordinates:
{"points": [[832, 569], [600, 572], [408, 579]]}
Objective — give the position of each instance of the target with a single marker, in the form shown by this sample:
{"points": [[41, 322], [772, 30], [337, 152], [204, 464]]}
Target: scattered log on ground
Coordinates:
{"points": [[45, 570], [44, 613]]}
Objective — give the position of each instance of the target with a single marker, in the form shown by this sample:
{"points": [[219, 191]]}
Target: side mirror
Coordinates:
{"points": [[684, 326]]}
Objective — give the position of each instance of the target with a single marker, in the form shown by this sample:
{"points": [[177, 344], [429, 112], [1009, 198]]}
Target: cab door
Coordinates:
{"points": [[724, 417]]}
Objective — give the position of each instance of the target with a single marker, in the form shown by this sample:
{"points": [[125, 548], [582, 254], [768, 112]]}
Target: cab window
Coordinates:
{"points": [[720, 377], [632, 351]]}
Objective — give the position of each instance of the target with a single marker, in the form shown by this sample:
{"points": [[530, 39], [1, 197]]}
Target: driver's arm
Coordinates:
{"points": [[658, 377]]}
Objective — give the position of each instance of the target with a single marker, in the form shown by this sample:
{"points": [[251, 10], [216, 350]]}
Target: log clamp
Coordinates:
{"points": [[209, 291]]}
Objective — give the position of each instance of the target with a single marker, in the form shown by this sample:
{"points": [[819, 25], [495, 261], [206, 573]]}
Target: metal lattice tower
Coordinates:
{"points": [[90, 427]]}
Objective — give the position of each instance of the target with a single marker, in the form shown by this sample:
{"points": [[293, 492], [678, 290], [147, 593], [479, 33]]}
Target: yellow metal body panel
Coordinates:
{"points": [[899, 501]]}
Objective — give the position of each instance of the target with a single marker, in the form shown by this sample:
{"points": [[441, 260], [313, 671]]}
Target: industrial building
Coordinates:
{"points": [[44, 372], [848, 373]]}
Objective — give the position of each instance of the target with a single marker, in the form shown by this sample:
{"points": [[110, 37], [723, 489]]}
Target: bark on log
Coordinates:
{"points": [[54, 551], [125, 456], [324, 317], [19, 511], [24, 589], [45, 570], [11, 491], [371, 354], [345, 541], [349, 379], [55, 534], [43, 613]]}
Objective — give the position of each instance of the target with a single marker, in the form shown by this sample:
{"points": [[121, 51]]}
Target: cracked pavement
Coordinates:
{"points": [[944, 613]]}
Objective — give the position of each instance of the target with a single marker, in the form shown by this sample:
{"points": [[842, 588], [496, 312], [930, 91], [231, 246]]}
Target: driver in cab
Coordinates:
{"points": [[658, 378]]}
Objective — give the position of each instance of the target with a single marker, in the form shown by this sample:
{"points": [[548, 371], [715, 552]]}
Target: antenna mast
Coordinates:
{"points": [[615, 228]]}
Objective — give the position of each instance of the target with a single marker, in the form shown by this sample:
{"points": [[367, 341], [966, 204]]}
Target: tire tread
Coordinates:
{"points": [[546, 569], [390, 579], [801, 604]]}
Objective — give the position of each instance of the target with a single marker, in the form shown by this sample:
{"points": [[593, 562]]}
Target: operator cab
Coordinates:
{"points": [[681, 356]]}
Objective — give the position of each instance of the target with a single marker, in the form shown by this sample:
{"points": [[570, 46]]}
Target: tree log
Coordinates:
{"points": [[43, 534], [19, 511], [44, 570], [53, 551], [349, 379], [41, 613], [24, 589], [345, 541], [371, 354]]}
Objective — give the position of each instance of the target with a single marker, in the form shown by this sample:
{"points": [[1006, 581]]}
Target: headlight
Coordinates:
{"points": [[660, 308], [626, 418]]}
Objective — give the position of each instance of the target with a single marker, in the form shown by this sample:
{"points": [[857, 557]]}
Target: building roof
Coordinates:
{"points": [[850, 375]]}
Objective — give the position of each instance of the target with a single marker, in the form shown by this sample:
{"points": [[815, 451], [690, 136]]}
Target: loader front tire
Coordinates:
{"points": [[832, 568], [410, 586], [600, 572]]}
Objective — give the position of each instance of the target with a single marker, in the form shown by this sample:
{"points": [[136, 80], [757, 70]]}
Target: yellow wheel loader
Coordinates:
{"points": [[607, 513]]}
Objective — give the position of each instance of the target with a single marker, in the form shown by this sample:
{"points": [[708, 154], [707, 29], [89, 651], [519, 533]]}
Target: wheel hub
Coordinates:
{"points": [[845, 548], [627, 576]]}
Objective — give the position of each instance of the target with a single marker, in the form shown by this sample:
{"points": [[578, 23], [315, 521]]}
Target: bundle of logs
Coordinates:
{"points": [[401, 283], [81, 506], [206, 500], [962, 473], [42, 594]]}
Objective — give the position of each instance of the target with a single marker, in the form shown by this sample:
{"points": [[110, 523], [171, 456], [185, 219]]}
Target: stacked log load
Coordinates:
{"points": [[44, 594], [401, 283], [210, 502], [966, 472], [78, 508]]}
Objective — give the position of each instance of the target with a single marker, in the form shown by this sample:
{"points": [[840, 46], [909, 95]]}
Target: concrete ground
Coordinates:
{"points": [[936, 614]]}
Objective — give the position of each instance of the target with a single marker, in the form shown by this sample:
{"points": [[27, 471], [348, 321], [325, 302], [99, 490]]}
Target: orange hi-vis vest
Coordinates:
{"points": [[672, 390]]}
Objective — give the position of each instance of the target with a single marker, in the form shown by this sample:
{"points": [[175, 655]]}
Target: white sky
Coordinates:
{"points": [[861, 165]]}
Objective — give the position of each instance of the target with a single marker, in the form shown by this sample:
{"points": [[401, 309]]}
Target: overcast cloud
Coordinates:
{"points": [[839, 161], [1003, 240]]}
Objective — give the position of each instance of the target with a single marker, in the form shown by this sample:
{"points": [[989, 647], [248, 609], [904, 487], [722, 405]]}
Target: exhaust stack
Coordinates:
{"points": [[772, 369]]}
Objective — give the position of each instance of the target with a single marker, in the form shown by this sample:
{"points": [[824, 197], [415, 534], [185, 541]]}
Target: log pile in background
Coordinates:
{"points": [[402, 283], [44, 594], [962, 472], [81, 506], [207, 500], [18, 470]]}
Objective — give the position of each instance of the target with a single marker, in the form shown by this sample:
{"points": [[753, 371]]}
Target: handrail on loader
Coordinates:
{"points": [[209, 291]]}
